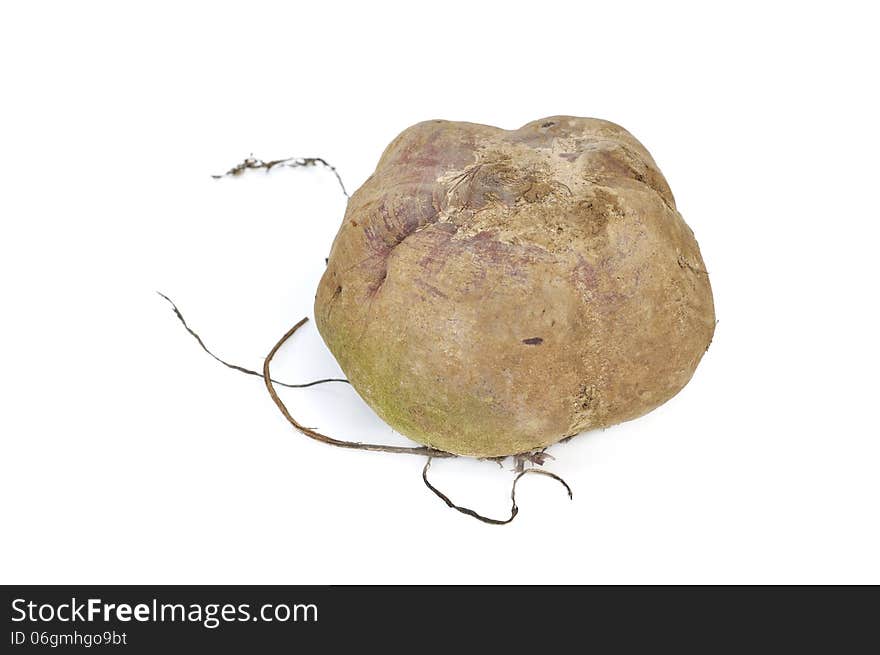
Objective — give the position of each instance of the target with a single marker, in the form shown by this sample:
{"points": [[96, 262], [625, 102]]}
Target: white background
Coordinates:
{"points": [[129, 456]]}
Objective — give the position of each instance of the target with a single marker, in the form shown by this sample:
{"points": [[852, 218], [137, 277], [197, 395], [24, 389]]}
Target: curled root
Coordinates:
{"points": [[236, 367], [309, 432], [537, 458], [514, 510], [290, 162]]}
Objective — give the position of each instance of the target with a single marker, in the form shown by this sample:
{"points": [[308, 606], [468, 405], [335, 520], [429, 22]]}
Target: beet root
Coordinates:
{"points": [[491, 291]]}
